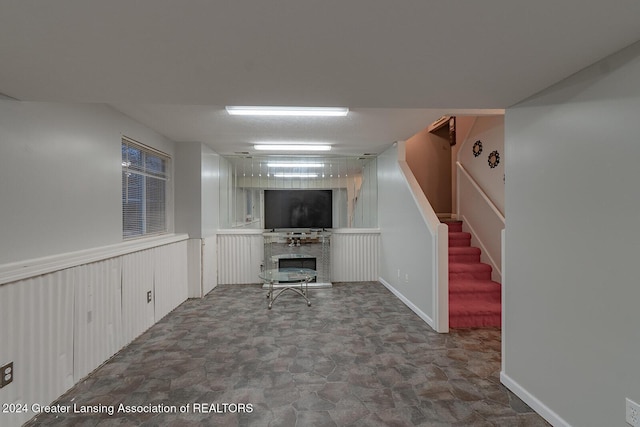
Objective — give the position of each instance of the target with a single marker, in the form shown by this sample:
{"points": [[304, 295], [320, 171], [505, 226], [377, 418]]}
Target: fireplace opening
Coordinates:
{"points": [[297, 263]]}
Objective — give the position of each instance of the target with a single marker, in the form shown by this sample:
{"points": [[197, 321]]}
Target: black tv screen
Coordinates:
{"points": [[297, 209]]}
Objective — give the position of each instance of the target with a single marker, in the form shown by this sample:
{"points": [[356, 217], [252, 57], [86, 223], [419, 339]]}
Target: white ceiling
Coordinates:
{"points": [[173, 65], [363, 130]]}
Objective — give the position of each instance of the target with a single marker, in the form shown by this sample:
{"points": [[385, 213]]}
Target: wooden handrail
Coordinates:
{"points": [[482, 193]]}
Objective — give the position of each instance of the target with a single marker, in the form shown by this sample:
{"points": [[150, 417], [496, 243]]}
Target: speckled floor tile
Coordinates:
{"points": [[357, 357]]}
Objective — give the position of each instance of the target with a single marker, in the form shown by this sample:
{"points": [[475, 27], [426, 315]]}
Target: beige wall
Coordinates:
{"points": [[429, 157], [463, 127], [490, 131]]}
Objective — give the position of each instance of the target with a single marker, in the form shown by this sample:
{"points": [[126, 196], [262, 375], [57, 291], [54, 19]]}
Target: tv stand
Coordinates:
{"points": [[308, 249]]}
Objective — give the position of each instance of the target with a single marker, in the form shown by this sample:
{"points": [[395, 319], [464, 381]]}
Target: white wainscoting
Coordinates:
{"points": [[170, 267], [59, 326], [137, 279], [37, 336], [240, 254], [354, 255], [97, 314]]}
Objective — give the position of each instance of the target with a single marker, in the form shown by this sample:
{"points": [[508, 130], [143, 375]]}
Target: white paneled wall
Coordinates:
{"points": [[240, 253], [38, 339], [58, 327], [97, 314], [170, 266], [137, 280], [202, 266], [354, 255], [194, 267], [209, 264]]}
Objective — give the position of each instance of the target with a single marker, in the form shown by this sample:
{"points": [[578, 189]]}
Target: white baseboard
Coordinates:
{"points": [[428, 320], [543, 410]]}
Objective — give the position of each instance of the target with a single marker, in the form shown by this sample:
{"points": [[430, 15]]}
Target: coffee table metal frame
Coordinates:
{"points": [[298, 278]]}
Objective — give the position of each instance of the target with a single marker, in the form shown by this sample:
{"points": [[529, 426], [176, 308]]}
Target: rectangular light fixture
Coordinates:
{"points": [[295, 175], [288, 111], [295, 165], [292, 147]]}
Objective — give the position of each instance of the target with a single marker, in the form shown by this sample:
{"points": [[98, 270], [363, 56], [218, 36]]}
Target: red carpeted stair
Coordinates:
{"points": [[474, 299]]}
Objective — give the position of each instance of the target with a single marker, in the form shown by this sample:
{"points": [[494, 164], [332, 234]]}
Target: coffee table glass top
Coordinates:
{"points": [[288, 275]]}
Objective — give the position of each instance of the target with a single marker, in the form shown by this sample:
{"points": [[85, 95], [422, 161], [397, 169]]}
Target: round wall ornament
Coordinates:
{"points": [[477, 148], [494, 159]]}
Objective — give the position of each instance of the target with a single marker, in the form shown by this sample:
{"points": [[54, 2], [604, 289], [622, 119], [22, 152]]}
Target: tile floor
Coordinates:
{"points": [[357, 357]]}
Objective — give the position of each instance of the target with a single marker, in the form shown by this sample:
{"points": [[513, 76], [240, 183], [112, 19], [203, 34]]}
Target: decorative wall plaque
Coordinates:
{"points": [[477, 148], [494, 159]]}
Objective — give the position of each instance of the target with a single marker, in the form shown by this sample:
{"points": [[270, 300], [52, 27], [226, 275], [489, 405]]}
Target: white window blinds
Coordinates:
{"points": [[145, 173]]}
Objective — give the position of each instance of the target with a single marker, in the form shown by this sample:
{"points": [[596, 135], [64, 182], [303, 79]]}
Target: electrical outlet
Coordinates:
{"points": [[6, 374], [148, 296], [633, 413]]}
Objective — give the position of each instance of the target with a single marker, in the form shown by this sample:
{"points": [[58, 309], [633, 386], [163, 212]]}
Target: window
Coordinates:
{"points": [[145, 173]]}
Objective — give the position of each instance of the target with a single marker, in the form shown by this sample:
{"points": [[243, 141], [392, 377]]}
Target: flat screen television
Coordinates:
{"points": [[290, 209]]}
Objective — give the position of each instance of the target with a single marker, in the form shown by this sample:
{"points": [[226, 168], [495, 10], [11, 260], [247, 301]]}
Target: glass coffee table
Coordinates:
{"points": [[293, 279]]}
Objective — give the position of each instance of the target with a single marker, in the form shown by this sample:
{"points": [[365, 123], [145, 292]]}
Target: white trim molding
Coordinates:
{"points": [[543, 410], [421, 314], [38, 266]]}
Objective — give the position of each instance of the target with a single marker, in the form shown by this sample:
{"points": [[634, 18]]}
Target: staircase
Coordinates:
{"points": [[474, 299]]}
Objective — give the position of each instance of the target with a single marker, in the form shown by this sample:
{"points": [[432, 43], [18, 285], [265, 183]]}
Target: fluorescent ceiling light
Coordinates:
{"points": [[295, 165], [295, 175], [288, 111], [292, 147]]}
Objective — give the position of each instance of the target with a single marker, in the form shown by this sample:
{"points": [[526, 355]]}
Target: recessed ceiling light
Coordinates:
{"points": [[292, 147], [288, 111], [295, 165]]}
